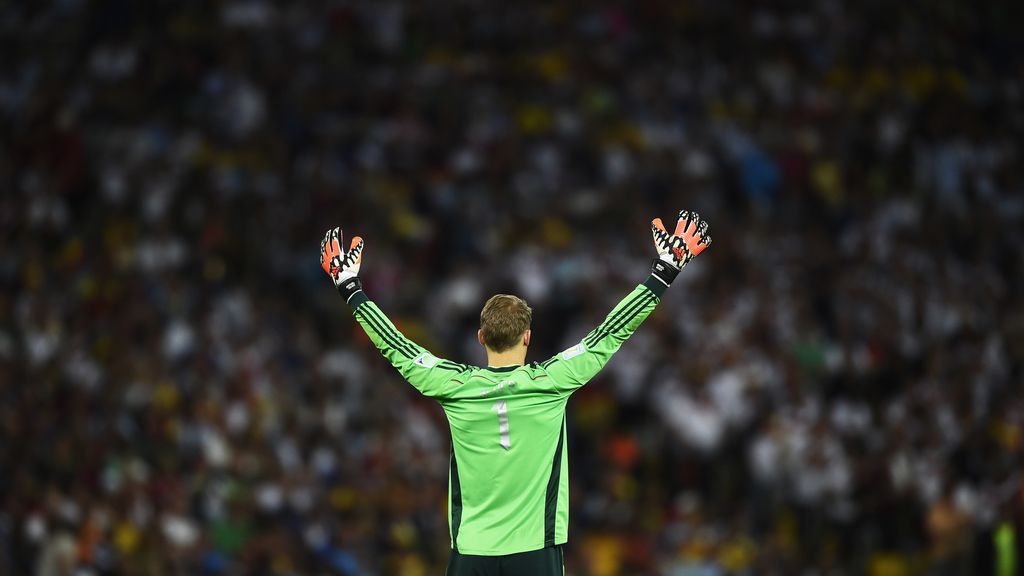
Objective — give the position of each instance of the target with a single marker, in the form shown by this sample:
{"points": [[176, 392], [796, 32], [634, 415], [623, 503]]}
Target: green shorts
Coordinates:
{"points": [[543, 562]]}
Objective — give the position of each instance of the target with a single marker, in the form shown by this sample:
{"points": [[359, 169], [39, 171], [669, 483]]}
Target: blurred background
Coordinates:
{"points": [[834, 388]]}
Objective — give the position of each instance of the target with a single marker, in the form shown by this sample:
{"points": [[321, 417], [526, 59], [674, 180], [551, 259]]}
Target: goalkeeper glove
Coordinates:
{"points": [[675, 251], [342, 267]]}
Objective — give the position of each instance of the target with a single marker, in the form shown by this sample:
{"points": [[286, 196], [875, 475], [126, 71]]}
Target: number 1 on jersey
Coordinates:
{"points": [[501, 407]]}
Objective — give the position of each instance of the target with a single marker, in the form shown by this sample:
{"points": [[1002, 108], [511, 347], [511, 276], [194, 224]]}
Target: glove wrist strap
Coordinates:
{"points": [[349, 286], [664, 271]]}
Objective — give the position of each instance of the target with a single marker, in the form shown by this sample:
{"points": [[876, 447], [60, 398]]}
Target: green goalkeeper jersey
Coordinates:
{"points": [[508, 484]]}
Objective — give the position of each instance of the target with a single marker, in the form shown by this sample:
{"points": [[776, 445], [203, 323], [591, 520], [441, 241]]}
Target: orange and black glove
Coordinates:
{"points": [[676, 250], [342, 267]]}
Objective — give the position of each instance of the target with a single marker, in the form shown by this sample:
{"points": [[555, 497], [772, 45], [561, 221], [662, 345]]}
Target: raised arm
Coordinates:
{"points": [[427, 373], [577, 365]]}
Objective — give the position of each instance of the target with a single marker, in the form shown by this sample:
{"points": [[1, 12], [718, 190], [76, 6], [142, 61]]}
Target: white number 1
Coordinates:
{"points": [[502, 409]]}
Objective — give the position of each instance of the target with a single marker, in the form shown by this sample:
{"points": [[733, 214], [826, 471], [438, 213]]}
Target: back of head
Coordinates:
{"points": [[503, 321]]}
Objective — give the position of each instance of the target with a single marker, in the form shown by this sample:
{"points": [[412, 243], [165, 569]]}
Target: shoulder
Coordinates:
{"points": [[535, 370], [455, 366]]}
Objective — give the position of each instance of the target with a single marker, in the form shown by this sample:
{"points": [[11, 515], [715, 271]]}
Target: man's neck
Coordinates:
{"points": [[508, 358]]}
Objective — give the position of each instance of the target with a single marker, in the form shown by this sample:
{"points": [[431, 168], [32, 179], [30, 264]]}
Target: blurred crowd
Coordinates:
{"points": [[835, 387]]}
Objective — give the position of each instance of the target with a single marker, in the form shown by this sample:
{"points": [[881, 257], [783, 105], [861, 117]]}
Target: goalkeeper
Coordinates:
{"points": [[508, 484]]}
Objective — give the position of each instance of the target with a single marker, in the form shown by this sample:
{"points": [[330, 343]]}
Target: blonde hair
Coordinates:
{"points": [[503, 321]]}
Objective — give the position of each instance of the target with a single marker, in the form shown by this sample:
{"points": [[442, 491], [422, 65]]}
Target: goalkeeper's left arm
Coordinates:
{"points": [[577, 365], [427, 373]]}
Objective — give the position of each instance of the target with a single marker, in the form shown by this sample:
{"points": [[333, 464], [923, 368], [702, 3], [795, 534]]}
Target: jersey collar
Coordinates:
{"points": [[503, 368]]}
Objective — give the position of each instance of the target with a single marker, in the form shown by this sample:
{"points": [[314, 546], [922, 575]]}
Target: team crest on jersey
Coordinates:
{"points": [[574, 351], [427, 360]]}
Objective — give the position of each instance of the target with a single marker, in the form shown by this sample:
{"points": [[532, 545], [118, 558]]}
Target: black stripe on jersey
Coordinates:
{"points": [[615, 324], [452, 365], [605, 326], [588, 341], [456, 499], [402, 340], [551, 497], [374, 323], [397, 340], [548, 362], [624, 321]]}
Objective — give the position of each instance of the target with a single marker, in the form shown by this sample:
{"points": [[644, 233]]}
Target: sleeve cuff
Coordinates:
{"points": [[656, 285]]}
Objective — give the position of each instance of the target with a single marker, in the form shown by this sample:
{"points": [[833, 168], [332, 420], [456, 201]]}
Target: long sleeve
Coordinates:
{"points": [[574, 367], [427, 373]]}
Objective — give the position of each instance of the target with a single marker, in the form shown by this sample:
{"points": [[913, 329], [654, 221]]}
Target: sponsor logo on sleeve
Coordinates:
{"points": [[574, 351], [427, 360]]}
